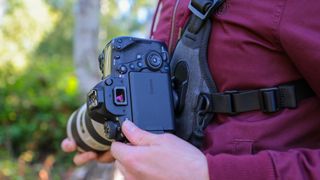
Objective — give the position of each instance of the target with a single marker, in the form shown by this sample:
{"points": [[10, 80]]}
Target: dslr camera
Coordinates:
{"points": [[135, 86]]}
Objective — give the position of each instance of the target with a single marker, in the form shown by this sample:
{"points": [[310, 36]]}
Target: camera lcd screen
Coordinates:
{"points": [[107, 62], [152, 106]]}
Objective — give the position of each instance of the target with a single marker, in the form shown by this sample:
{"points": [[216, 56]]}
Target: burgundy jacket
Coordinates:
{"points": [[257, 44]]}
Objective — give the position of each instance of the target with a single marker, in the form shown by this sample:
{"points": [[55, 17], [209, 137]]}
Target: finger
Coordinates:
{"points": [[123, 172], [68, 145], [136, 135], [82, 158], [105, 157], [120, 167], [122, 152]]}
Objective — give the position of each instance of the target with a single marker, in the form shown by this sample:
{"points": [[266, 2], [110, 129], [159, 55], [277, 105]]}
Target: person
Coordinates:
{"points": [[253, 45]]}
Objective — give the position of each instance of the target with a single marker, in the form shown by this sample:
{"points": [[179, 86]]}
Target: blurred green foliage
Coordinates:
{"points": [[38, 86]]}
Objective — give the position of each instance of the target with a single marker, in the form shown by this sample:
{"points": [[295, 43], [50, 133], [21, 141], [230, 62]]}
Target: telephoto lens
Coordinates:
{"points": [[88, 134]]}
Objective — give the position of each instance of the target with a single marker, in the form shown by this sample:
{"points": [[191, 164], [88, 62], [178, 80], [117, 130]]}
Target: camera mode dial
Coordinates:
{"points": [[154, 61]]}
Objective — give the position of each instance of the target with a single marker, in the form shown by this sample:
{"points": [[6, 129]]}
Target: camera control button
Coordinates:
{"points": [[122, 69], [166, 68], [139, 64], [154, 61], [139, 57], [164, 56], [131, 66], [108, 82]]}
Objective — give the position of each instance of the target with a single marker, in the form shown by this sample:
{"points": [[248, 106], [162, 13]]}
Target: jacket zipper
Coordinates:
{"points": [[173, 25]]}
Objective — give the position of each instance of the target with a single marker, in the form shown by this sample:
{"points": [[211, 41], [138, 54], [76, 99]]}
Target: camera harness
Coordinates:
{"points": [[197, 97]]}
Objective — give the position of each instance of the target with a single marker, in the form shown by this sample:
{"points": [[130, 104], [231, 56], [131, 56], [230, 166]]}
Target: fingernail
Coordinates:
{"points": [[65, 143], [68, 144], [129, 126]]}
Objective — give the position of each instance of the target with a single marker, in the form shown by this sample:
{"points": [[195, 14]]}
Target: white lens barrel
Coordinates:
{"points": [[88, 134]]}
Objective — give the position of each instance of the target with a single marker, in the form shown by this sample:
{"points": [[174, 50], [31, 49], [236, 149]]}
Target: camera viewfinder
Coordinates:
{"points": [[120, 97]]}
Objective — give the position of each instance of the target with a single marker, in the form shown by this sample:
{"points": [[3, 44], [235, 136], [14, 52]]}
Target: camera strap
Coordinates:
{"points": [[197, 98]]}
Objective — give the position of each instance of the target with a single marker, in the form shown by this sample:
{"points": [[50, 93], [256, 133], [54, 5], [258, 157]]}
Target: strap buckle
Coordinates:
{"points": [[230, 105], [269, 99], [203, 9]]}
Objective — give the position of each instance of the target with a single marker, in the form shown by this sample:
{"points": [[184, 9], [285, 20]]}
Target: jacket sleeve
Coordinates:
{"points": [[295, 164]]}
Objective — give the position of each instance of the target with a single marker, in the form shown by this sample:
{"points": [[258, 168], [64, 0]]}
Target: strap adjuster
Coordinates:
{"points": [[203, 9], [269, 99], [230, 105]]}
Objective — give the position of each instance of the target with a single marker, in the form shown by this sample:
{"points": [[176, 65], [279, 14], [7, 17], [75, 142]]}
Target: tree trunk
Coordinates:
{"points": [[85, 52], [87, 18]]}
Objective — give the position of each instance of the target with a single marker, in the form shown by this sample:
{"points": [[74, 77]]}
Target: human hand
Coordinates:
{"points": [[68, 145], [152, 156]]}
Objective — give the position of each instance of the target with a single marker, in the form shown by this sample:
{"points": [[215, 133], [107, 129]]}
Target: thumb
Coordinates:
{"points": [[137, 136]]}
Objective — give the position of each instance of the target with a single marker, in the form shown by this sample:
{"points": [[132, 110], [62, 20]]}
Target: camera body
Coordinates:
{"points": [[135, 86]]}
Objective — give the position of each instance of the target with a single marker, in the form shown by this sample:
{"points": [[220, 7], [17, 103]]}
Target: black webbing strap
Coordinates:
{"points": [[201, 11], [268, 100]]}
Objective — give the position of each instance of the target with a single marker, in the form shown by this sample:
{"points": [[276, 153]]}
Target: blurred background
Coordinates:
{"points": [[48, 62]]}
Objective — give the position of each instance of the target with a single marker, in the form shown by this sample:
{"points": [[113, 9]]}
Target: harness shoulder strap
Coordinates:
{"points": [[191, 76]]}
